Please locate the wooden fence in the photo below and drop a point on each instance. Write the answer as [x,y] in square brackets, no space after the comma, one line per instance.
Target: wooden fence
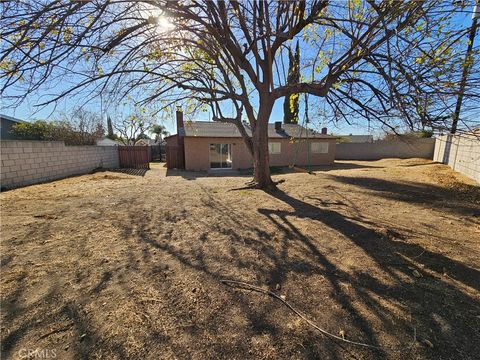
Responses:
[157,152]
[175,157]
[134,157]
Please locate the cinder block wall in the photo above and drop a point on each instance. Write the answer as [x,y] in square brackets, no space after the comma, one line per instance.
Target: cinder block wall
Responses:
[403,149]
[460,152]
[30,162]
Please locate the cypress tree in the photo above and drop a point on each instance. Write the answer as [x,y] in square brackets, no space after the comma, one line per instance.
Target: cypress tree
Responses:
[110,133]
[291,102]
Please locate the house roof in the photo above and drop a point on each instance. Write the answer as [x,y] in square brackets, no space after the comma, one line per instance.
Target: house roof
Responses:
[220,129]
[108,141]
[147,142]
[10,118]
[6,124]
[357,138]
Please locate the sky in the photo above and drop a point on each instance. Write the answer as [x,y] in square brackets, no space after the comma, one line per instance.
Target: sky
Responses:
[28,111]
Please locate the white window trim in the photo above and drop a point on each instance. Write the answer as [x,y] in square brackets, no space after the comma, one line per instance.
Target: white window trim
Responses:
[271,150]
[323,147]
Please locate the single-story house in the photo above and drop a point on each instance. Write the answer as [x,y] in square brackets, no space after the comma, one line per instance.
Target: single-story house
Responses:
[212,145]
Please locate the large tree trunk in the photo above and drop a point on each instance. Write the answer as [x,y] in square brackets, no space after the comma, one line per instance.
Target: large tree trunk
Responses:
[257,146]
[261,163]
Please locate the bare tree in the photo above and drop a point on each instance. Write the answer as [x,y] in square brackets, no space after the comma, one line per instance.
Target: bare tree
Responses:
[87,125]
[132,128]
[372,59]
[467,64]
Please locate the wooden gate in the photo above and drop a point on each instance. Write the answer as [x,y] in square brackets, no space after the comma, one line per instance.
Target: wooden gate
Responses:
[157,152]
[134,157]
[175,157]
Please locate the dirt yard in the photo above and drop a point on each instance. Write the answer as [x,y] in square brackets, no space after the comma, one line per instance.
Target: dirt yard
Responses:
[119,266]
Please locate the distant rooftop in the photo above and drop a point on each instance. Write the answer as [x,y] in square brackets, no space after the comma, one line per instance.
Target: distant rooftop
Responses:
[357,138]
[6,123]
[220,129]
[10,118]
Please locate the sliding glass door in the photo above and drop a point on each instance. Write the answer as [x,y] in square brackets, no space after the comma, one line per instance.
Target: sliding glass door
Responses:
[220,156]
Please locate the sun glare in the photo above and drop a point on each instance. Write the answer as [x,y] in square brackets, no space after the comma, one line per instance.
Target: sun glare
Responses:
[164,23]
[157,17]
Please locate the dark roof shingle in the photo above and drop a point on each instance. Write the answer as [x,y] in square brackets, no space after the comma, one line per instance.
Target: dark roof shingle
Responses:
[219,129]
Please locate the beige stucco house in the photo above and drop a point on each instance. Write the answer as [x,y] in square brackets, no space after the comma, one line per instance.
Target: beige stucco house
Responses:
[209,145]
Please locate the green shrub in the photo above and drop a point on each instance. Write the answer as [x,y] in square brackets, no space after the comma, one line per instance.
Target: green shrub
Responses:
[57,131]
[38,130]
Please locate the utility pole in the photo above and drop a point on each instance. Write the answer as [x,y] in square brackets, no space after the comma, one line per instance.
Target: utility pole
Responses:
[466,67]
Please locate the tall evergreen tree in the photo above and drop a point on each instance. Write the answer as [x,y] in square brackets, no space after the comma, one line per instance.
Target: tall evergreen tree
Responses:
[290,105]
[110,133]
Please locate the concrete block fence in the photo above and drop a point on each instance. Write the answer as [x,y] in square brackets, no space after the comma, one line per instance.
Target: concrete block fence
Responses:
[30,162]
[460,152]
[404,149]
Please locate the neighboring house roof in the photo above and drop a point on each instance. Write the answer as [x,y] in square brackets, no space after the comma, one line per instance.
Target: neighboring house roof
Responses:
[148,142]
[107,142]
[357,138]
[10,118]
[220,129]
[6,123]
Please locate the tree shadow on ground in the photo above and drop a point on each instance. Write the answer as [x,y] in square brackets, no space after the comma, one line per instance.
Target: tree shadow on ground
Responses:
[464,200]
[276,256]
[193,175]
[369,239]
[419,164]
[218,262]
[49,312]
[344,165]
[275,170]
[187,175]
[62,316]
[433,301]
[300,245]
[292,169]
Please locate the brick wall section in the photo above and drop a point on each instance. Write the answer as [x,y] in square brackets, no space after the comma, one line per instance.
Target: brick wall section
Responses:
[30,162]
[403,149]
[460,152]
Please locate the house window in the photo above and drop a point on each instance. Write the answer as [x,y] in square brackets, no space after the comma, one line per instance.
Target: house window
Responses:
[274,148]
[319,147]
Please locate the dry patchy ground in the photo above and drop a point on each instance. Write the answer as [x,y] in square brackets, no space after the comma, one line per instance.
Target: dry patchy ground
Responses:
[117,266]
